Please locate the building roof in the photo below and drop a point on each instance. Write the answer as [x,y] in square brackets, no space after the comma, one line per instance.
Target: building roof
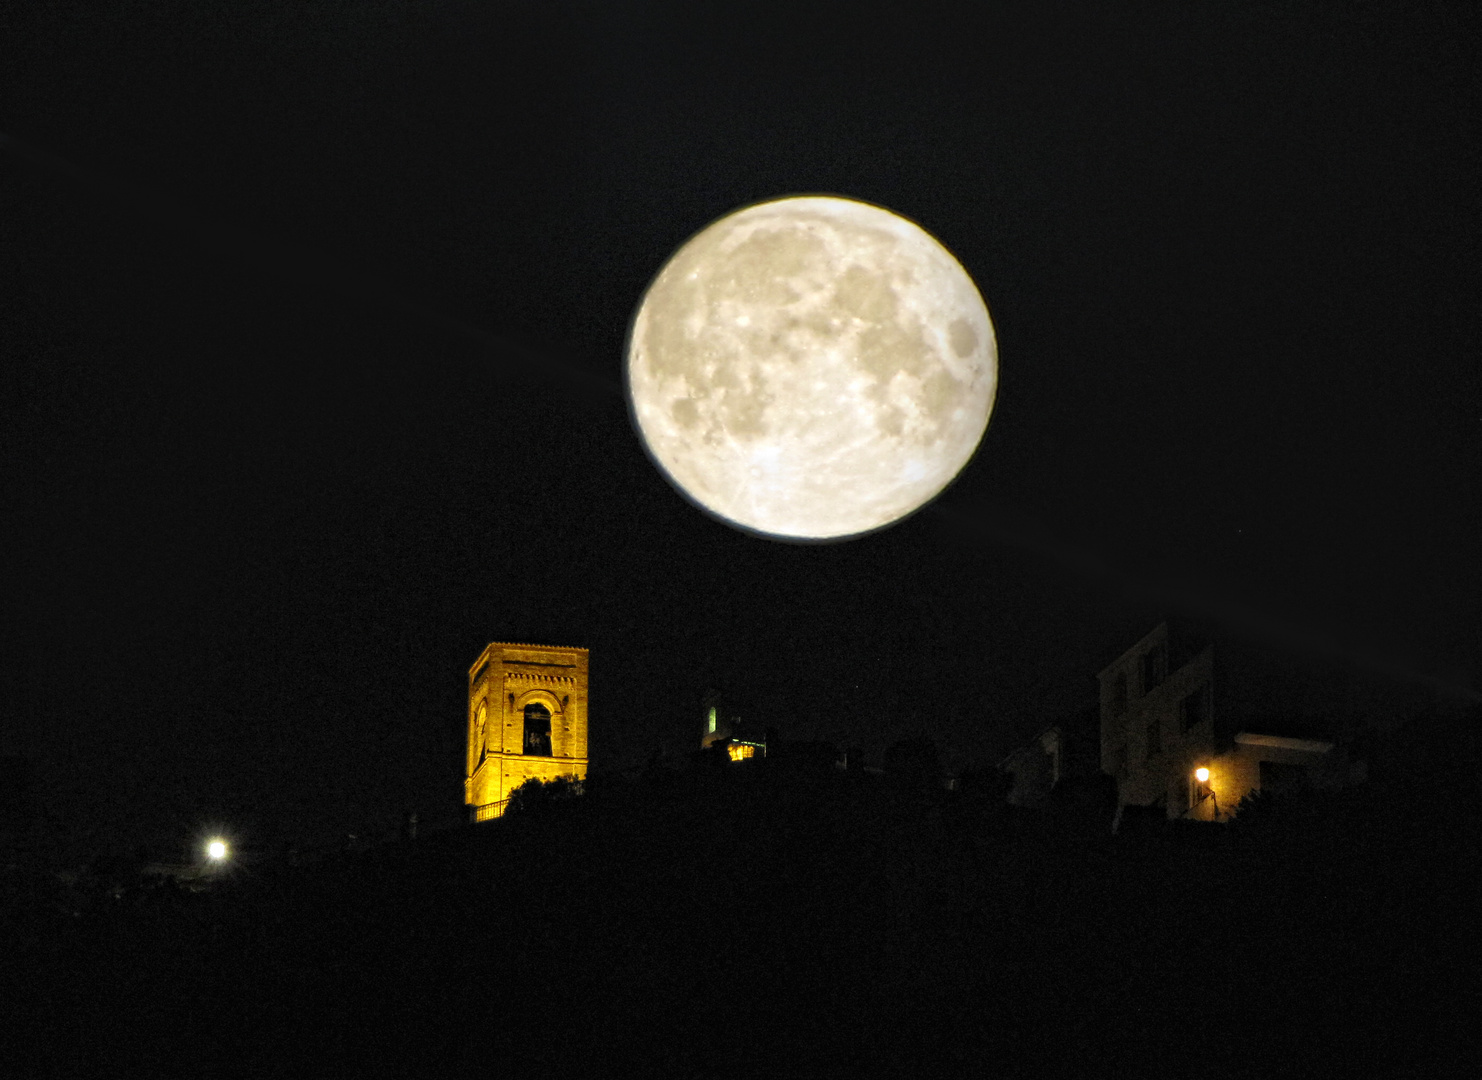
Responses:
[1311,746]
[521,645]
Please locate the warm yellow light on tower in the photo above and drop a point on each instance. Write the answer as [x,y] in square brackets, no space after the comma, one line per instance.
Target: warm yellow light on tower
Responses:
[1201,774]
[216,850]
[812,368]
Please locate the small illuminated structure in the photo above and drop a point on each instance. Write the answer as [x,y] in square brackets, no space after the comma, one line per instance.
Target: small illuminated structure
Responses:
[527,717]
[741,740]
[217,850]
[1201,774]
[740,751]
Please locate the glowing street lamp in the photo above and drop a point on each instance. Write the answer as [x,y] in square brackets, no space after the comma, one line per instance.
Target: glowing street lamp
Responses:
[1204,790]
[216,851]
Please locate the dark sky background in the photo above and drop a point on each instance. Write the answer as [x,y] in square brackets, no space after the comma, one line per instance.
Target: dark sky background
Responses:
[312,321]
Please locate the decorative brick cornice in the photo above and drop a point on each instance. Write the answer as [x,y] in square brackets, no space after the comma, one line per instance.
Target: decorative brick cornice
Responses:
[521,756]
[491,652]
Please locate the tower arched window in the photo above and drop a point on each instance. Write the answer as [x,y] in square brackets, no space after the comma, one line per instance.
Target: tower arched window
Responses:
[537,729]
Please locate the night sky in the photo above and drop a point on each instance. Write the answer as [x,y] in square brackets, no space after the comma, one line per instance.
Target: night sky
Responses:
[311,339]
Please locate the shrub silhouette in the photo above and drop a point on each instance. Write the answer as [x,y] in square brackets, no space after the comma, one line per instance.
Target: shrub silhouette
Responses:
[536,795]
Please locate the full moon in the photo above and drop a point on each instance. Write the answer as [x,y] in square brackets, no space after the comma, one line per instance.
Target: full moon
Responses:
[812,368]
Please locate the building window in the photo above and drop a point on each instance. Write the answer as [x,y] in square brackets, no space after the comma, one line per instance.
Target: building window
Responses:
[479,723]
[710,721]
[1194,709]
[1119,693]
[1152,668]
[1153,743]
[537,730]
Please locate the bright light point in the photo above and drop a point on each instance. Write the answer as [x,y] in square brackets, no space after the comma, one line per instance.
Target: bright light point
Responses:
[1202,775]
[216,850]
[812,368]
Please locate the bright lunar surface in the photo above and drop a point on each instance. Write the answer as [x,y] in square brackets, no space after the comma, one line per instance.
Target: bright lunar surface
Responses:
[812,368]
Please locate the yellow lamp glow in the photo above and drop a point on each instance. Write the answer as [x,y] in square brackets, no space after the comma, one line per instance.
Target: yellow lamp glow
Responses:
[1201,774]
[216,850]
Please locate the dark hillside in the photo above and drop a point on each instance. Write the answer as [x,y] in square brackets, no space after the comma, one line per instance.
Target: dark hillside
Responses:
[748,922]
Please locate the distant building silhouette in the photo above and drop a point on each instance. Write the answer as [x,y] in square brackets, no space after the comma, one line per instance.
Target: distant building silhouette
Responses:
[1192,721]
[1068,750]
[720,727]
[527,717]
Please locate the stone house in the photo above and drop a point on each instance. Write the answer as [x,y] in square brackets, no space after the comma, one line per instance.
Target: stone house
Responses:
[1193,720]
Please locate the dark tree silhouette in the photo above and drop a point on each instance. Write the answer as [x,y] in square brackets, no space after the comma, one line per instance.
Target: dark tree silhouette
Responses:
[536,795]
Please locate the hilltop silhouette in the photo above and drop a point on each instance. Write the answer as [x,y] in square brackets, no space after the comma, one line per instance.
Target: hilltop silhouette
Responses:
[751,921]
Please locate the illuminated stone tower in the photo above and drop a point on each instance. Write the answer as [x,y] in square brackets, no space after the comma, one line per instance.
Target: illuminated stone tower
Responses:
[527,716]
